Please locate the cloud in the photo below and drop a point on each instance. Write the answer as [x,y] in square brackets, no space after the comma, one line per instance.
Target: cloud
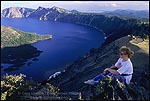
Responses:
[114,4]
[109,4]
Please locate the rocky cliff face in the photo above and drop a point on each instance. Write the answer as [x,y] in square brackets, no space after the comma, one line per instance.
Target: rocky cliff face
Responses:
[48,13]
[39,13]
[16,12]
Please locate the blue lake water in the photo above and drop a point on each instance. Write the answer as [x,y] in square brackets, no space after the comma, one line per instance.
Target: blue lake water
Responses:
[69,42]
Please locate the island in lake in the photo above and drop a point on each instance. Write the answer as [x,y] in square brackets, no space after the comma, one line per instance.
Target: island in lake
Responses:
[11,37]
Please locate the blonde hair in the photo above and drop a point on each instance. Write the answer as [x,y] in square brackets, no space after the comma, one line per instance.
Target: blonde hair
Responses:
[127,51]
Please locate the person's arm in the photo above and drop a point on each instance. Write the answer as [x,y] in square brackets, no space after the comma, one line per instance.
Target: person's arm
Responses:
[111,70]
[113,67]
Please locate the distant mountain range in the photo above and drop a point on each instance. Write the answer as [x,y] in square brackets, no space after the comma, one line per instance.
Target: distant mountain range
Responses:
[19,12]
[129,13]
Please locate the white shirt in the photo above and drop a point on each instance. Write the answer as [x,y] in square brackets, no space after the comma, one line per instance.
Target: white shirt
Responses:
[125,67]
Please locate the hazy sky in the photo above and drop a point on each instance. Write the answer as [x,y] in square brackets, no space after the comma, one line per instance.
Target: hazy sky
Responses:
[84,6]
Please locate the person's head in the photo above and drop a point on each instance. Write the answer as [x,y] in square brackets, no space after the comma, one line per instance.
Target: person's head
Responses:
[126,52]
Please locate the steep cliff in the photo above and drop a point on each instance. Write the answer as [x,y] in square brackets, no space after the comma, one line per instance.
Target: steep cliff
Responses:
[16,12]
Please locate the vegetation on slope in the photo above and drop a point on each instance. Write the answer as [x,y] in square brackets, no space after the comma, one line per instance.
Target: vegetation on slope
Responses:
[13,37]
[114,89]
[15,87]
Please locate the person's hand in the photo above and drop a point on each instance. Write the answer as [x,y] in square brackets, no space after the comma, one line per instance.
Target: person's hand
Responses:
[105,70]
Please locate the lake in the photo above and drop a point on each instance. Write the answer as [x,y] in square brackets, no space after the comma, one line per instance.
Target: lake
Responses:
[43,58]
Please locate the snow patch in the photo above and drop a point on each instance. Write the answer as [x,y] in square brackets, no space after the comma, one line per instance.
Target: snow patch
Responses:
[54,75]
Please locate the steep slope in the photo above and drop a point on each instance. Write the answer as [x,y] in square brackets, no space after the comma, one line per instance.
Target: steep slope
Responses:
[60,10]
[94,62]
[16,12]
[39,12]
[14,37]
[47,13]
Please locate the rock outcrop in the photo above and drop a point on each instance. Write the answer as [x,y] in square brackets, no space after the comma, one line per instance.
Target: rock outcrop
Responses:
[16,12]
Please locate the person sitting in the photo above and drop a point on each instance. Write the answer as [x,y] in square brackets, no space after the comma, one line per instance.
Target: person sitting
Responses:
[122,68]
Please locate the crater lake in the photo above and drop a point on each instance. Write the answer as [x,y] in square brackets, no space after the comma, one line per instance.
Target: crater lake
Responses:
[43,58]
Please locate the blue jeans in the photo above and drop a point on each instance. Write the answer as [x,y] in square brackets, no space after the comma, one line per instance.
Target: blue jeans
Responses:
[100,76]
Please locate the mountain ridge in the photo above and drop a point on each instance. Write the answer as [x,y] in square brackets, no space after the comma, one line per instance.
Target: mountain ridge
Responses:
[129,13]
[117,12]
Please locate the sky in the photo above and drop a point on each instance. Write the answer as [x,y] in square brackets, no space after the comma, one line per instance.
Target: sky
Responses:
[82,6]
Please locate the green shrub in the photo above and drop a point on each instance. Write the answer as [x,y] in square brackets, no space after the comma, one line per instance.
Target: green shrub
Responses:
[10,83]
